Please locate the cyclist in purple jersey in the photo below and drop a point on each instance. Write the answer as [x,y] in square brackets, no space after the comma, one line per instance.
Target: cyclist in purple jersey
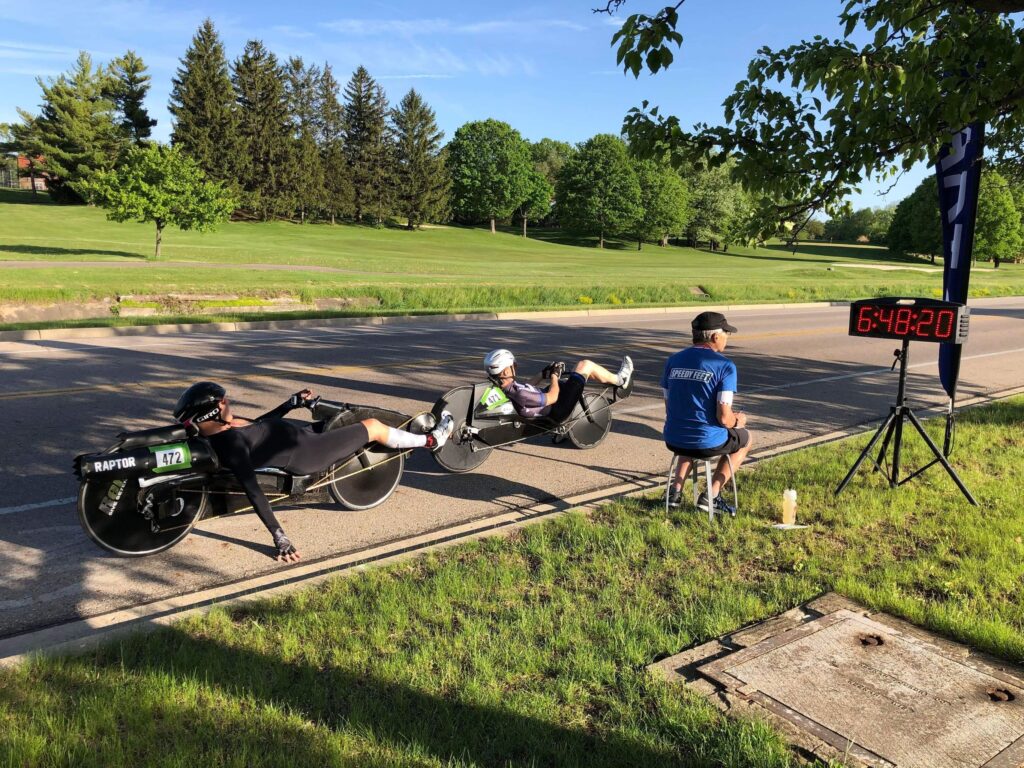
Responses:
[557,400]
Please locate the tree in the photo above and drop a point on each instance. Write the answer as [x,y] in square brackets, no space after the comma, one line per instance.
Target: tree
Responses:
[203,107]
[664,201]
[549,156]
[997,229]
[489,163]
[850,226]
[337,183]
[812,120]
[421,177]
[74,132]
[715,201]
[127,89]
[307,176]
[537,203]
[598,192]
[266,167]
[368,149]
[915,226]
[162,185]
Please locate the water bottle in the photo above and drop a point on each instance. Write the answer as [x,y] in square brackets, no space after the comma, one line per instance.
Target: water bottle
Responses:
[789,507]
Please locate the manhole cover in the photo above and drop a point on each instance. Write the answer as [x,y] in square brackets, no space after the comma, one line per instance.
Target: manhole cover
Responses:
[875,690]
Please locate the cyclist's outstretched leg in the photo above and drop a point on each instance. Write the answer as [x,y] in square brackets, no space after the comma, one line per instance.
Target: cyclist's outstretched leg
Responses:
[379,432]
[589,369]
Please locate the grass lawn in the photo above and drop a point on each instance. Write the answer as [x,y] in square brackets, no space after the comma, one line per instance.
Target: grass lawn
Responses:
[439,268]
[531,649]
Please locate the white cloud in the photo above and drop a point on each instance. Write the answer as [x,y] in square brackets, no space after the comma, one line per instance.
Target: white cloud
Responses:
[436,26]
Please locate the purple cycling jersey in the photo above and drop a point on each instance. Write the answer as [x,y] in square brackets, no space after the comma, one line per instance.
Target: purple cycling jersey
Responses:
[528,400]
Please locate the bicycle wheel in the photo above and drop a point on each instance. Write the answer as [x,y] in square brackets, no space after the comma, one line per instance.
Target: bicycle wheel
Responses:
[585,433]
[462,452]
[368,478]
[131,521]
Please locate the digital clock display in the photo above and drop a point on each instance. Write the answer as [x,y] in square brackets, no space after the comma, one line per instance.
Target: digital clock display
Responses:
[910,319]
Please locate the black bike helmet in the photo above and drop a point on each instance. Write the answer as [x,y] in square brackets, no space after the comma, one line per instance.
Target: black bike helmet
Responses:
[199,403]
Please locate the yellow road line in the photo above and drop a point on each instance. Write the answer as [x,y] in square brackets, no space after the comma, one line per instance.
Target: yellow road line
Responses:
[337,370]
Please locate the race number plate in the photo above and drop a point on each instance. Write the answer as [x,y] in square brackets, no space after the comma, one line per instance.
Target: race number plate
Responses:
[170,458]
[493,398]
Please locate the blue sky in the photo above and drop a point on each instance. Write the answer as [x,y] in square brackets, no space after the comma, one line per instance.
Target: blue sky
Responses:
[546,68]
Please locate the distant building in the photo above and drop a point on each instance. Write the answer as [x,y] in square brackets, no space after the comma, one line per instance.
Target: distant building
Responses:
[31,176]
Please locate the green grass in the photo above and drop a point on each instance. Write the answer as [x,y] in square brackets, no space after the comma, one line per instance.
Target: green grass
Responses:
[440,268]
[532,649]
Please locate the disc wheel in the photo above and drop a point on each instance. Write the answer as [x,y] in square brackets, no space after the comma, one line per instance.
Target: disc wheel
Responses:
[370,477]
[585,433]
[112,513]
[458,454]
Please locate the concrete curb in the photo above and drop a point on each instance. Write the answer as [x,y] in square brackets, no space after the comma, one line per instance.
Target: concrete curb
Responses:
[83,634]
[46,334]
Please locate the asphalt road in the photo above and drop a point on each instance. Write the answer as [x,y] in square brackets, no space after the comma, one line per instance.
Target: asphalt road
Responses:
[800,376]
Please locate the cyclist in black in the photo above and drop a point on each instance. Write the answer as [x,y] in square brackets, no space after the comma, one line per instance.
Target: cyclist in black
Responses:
[300,447]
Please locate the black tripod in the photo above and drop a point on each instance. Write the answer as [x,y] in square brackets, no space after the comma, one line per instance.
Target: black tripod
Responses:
[893,429]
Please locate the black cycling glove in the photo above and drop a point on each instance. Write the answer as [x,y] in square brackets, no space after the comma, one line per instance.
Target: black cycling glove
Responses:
[283,544]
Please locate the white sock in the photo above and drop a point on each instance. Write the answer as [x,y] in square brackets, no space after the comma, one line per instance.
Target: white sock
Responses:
[399,438]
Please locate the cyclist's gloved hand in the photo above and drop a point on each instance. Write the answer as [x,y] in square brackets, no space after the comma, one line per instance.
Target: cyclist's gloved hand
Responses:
[552,369]
[300,398]
[286,551]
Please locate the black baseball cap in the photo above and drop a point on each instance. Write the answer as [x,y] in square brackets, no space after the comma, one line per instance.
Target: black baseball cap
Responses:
[712,321]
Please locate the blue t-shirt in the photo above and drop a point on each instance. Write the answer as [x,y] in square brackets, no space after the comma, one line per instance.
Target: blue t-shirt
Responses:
[693,379]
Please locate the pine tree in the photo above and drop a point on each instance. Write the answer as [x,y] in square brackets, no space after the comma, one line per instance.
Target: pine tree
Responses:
[337,183]
[265,165]
[307,177]
[368,148]
[75,133]
[421,178]
[203,106]
[127,89]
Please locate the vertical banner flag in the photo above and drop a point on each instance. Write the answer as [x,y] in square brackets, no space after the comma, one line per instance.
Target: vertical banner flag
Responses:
[958,171]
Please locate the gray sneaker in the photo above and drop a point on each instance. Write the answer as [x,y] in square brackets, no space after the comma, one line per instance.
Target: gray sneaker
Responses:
[625,371]
[675,498]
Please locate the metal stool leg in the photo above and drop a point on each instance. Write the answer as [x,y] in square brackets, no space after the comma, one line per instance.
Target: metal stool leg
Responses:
[732,478]
[671,477]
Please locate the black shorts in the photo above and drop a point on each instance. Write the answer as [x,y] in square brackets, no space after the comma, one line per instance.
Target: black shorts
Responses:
[738,438]
[569,392]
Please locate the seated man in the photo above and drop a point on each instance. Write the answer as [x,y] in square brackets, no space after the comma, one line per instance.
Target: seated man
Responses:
[699,384]
[557,400]
[303,448]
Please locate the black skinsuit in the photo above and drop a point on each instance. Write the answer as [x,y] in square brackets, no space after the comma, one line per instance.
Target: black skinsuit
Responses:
[300,447]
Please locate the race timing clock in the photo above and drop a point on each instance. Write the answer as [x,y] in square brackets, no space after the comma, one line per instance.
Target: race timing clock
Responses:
[910,320]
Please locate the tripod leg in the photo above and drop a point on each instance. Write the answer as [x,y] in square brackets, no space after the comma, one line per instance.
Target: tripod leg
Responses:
[864,454]
[886,441]
[897,444]
[941,459]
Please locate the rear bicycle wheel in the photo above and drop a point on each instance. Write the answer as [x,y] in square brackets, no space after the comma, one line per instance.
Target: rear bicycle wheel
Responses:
[372,475]
[462,452]
[131,521]
[585,433]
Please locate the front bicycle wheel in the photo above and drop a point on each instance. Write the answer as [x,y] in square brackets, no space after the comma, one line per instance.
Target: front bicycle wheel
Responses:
[463,452]
[131,521]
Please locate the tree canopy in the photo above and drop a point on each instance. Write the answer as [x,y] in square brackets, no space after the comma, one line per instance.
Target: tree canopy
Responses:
[598,192]
[490,168]
[74,132]
[812,120]
[161,185]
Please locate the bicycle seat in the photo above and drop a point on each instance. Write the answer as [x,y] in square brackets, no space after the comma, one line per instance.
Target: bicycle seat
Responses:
[156,436]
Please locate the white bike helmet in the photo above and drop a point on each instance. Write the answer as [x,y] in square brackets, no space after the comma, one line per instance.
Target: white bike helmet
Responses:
[497,360]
